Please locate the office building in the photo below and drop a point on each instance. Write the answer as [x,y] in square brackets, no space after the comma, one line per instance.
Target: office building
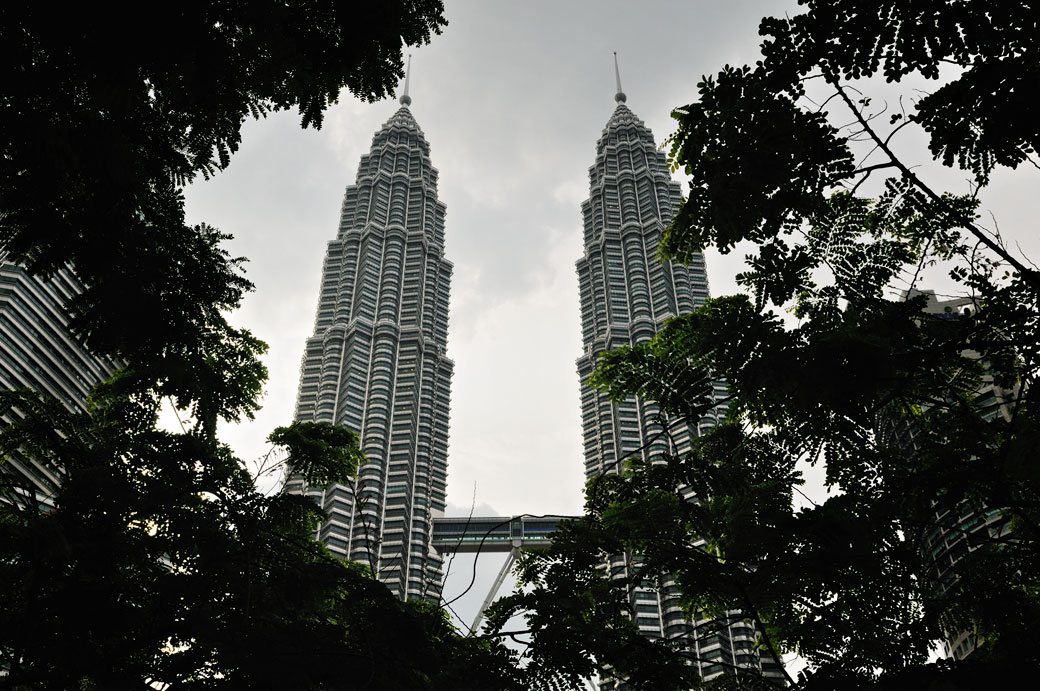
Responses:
[955,532]
[376,363]
[38,351]
[627,294]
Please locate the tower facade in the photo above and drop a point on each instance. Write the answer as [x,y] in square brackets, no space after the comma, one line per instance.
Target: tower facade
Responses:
[955,532]
[377,364]
[38,351]
[627,294]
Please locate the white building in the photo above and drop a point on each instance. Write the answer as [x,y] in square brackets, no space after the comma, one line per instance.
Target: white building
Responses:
[376,363]
[38,351]
[627,294]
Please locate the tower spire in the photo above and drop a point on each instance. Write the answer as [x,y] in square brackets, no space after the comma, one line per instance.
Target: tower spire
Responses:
[405,99]
[619,97]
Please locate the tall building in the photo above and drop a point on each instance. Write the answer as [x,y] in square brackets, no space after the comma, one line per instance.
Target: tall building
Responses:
[627,294]
[377,364]
[38,351]
[958,531]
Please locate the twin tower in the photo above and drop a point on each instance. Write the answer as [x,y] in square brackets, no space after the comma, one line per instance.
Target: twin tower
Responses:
[377,363]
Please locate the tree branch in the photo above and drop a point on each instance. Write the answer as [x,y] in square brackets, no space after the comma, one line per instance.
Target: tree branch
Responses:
[1027,274]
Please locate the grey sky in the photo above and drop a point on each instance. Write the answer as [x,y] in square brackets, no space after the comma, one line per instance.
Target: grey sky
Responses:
[512,98]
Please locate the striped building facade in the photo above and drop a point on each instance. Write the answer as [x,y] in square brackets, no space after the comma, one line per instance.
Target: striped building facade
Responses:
[377,364]
[627,294]
[39,352]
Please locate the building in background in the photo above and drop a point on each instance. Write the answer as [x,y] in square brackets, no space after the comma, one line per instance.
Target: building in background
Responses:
[376,363]
[39,352]
[954,533]
[627,294]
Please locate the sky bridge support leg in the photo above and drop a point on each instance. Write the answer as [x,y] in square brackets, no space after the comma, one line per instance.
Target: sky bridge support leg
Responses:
[493,593]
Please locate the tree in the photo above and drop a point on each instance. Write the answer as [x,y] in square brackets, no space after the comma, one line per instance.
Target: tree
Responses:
[102,126]
[847,582]
[161,565]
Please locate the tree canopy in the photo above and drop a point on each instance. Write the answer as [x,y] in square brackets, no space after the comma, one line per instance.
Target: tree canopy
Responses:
[106,115]
[160,565]
[857,381]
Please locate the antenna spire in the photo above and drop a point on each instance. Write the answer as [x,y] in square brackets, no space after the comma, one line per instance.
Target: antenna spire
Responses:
[619,97]
[405,99]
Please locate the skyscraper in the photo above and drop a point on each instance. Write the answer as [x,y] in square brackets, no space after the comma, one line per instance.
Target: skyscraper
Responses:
[627,294]
[958,531]
[38,351]
[377,364]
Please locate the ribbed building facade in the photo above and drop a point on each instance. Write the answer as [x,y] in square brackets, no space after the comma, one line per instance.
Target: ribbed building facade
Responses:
[956,532]
[377,364]
[627,294]
[39,352]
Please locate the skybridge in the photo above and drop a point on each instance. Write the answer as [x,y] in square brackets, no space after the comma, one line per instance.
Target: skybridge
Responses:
[472,535]
[493,533]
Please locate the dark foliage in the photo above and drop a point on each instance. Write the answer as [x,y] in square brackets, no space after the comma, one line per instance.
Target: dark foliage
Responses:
[319,453]
[922,424]
[105,114]
[983,118]
[159,564]
[162,563]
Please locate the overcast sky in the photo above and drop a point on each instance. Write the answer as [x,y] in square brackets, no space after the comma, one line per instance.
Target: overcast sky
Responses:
[512,98]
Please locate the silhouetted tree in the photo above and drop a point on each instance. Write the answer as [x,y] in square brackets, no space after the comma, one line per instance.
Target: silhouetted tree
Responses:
[160,565]
[846,583]
[106,113]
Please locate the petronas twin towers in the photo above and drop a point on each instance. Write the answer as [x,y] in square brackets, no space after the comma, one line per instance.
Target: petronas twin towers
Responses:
[377,365]
[376,362]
